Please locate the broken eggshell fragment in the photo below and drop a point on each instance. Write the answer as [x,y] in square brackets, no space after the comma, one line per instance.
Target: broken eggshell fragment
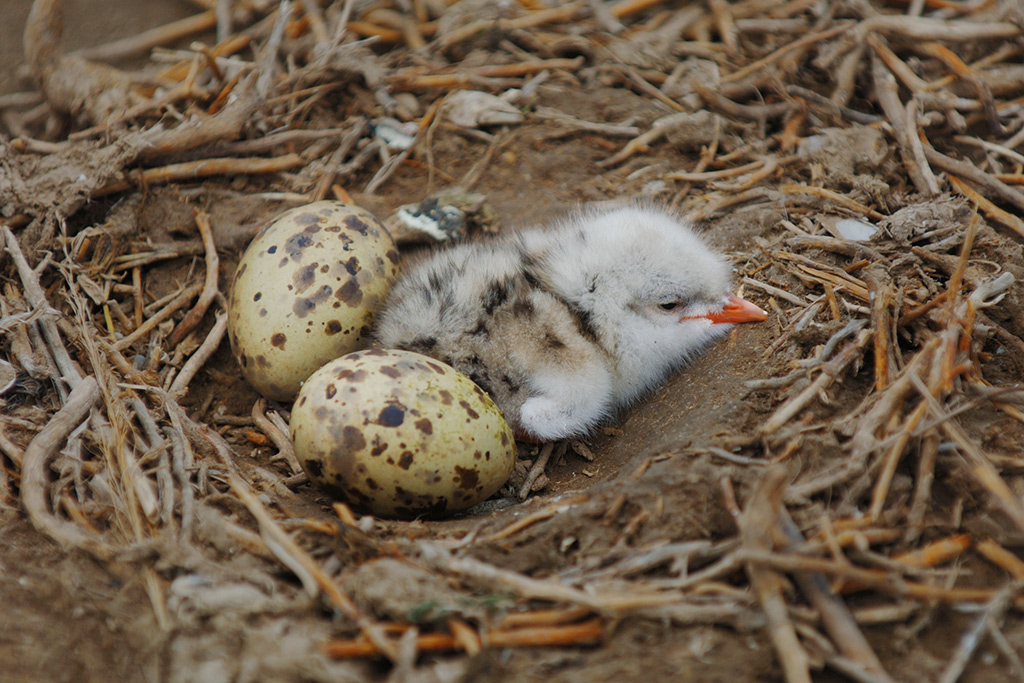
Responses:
[442,217]
[399,434]
[305,292]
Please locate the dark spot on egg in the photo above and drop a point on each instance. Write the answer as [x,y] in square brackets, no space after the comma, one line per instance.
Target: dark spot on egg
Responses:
[466,478]
[296,244]
[257,296]
[303,277]
[303,306]
[446,397]
[375,352]
[391,371]
[405,460]
[332,328]
[263,313]
[272,249]
[241,269]
[330,391]
[350,292]
[351,375]
[391,416]
[371,484]
[352,439]
[262,361]
[311,229]
[378,447]
[352,266]
[320,413]
[354,223]
[424,425]
[392,256]
[278,339]
[439,369]
[307,218]
[473,415]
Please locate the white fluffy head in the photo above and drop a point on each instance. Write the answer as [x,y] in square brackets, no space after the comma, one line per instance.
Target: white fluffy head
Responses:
[644,277]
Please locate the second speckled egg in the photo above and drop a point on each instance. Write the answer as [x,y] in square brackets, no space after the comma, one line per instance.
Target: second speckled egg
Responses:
[400,434]
[306,291]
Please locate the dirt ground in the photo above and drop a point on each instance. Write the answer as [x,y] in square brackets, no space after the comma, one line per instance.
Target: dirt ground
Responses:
[223,606]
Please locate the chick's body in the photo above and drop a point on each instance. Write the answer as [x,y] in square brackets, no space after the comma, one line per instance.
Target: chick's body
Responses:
[563,326]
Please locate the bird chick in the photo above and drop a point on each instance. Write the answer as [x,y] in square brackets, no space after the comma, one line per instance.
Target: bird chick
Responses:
[563,327]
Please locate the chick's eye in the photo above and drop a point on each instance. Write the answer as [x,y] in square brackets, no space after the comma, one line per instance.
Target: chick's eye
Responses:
[670,306]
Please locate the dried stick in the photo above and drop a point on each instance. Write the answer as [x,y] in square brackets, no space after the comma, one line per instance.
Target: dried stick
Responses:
[536,470]
[203,168]
[529,20]
[830,372]
[198,359]
[881,295]
[991,210]
[835,616]
[163,314]
[887,95]
[968,171]
[590,632]
[927,456]
[224,126]
[970,75]
[986,474]
[881,581]
[998,555]
[757,525]
[797,44]
[36,297]
[642,142]
[287,551]
[411,78]
[83,397]
[842,200]
[147,40]
[971,638]
[278,433]
[192,318]
[922,28]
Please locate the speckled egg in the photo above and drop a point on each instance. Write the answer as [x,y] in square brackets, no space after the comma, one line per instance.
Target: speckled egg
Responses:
[398,434]
[305,292]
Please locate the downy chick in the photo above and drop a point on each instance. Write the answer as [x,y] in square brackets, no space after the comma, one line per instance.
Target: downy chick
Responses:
[563,327]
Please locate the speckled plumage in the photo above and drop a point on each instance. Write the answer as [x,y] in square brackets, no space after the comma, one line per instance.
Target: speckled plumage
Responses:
[564,326]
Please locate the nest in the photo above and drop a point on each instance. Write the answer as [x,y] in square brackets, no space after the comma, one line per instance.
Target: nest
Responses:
[860,161]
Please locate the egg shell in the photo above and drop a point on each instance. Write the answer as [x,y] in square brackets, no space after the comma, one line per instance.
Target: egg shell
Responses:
[399,434]
[305,292]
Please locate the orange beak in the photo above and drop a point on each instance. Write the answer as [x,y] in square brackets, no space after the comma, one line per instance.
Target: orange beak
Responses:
[737,310]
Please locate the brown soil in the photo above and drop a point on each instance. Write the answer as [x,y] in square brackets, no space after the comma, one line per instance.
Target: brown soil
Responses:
[234,613]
